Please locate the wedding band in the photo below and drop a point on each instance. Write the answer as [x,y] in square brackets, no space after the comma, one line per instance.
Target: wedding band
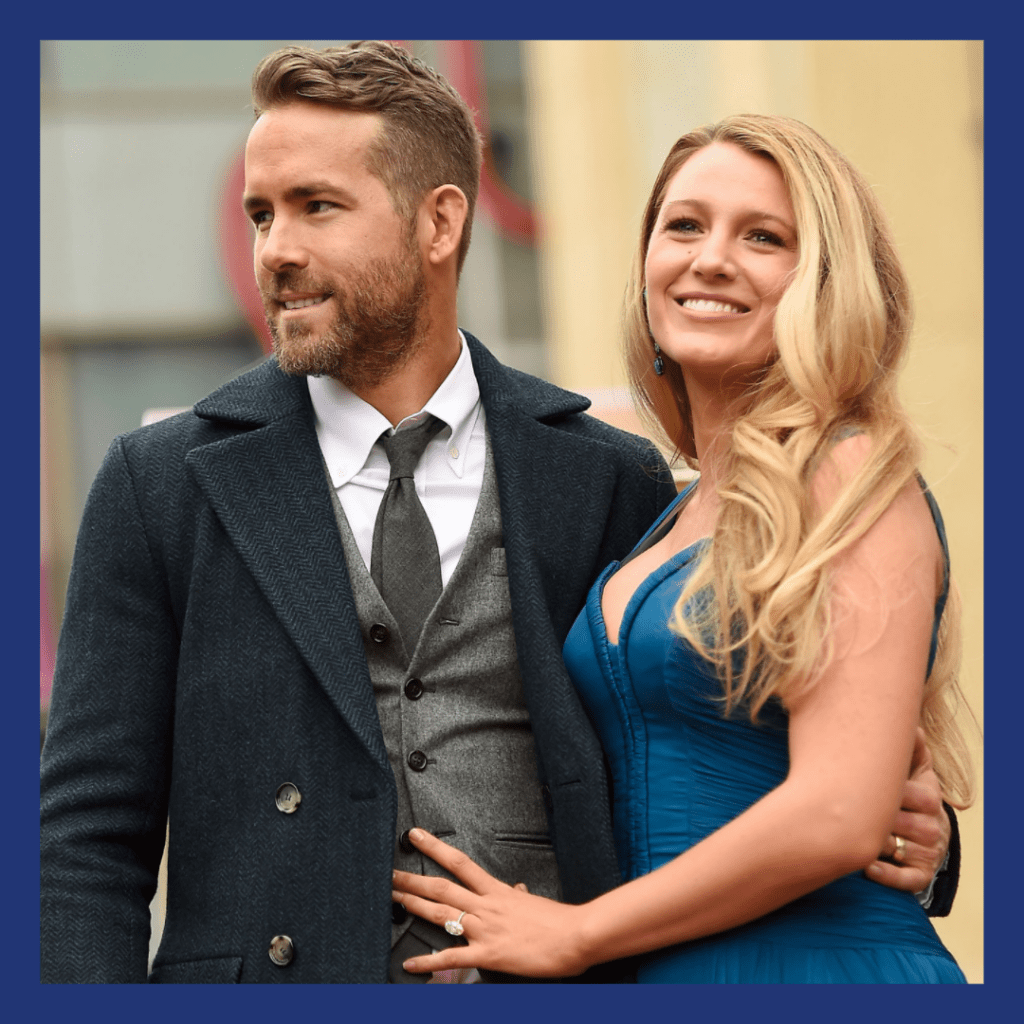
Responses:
[901,848]
[455,927]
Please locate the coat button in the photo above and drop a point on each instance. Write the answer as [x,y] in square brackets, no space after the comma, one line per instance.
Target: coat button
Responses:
[414,689]
[287,798]
[405,843]
[282,950]
[398,913]
[417,760]
[379,633]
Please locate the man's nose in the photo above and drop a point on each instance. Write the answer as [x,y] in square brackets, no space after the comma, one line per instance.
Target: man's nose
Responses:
[282,247]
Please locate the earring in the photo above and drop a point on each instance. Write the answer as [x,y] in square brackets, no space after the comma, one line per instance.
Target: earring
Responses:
[659,363]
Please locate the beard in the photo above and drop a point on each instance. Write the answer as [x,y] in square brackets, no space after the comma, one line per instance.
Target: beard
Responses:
[381,321]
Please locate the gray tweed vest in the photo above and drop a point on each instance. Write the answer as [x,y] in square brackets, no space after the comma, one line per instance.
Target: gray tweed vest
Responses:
[454,717]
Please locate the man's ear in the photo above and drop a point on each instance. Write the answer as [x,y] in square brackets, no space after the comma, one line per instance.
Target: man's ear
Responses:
[442,217]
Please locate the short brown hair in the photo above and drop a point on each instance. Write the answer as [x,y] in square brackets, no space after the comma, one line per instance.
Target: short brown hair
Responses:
[428,138]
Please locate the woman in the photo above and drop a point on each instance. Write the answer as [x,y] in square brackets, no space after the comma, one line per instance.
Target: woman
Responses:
[757,669]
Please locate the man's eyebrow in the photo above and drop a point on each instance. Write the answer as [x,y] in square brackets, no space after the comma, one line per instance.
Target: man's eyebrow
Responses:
[312,188]
[251,203]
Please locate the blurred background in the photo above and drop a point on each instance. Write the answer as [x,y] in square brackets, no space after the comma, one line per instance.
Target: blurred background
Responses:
[147,300]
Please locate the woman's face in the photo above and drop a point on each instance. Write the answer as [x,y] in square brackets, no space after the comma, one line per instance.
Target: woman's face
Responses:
[719,259]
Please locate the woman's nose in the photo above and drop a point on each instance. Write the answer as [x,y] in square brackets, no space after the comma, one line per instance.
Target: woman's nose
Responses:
[714,258]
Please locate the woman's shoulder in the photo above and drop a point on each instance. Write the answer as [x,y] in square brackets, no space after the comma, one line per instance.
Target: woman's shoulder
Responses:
[844,458]
[905,528]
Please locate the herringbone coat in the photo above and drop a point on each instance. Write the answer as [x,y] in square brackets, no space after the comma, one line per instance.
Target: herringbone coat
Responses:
[211,651]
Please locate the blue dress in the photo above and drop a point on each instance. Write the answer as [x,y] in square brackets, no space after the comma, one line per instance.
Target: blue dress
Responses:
[680,770]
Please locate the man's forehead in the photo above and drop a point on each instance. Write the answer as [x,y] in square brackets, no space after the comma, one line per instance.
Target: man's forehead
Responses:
[299,150]
[311,140]
[304,118]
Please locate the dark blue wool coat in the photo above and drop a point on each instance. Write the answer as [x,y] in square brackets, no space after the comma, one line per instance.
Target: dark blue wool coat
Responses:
[211,651]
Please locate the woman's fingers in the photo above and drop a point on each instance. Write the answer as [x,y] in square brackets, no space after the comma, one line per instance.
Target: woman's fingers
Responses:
[451,959]
[436,913]
[454,861]
[432,889]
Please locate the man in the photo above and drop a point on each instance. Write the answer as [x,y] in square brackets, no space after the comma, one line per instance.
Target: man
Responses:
[328,603]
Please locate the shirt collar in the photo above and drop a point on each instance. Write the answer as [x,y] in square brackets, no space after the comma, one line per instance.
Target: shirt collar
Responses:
[348,427]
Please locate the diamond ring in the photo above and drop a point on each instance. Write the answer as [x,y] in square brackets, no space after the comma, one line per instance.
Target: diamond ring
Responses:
[455,927]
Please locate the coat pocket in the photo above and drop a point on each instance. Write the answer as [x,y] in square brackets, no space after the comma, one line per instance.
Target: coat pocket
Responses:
[222,970]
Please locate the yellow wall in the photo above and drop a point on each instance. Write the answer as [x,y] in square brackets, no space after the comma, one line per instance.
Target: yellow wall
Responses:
[908,114]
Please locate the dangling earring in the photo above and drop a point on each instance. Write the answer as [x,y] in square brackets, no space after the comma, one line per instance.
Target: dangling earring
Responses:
[659,363]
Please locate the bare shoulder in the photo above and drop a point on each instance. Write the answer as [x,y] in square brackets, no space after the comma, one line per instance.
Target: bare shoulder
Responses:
[839,466]
[904,534]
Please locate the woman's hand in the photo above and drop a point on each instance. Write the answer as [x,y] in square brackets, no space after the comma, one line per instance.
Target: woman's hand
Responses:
[506,928]
[923,826]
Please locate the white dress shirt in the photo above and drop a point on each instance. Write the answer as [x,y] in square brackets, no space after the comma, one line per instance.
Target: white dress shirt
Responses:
[449,475]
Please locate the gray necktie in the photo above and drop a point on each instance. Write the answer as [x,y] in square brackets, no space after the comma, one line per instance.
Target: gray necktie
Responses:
[404,563]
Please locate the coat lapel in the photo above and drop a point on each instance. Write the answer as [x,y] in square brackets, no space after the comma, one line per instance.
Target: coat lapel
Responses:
[268,489]
[556,487]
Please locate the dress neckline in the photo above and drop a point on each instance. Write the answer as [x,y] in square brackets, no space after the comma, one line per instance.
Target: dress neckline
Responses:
[655,576]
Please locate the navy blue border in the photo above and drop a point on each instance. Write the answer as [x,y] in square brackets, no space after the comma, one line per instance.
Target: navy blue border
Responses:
[529,19]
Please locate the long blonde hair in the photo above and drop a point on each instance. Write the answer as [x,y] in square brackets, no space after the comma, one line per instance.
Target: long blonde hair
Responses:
[841,332]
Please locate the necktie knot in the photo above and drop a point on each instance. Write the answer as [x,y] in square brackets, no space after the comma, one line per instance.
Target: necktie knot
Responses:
[405,447]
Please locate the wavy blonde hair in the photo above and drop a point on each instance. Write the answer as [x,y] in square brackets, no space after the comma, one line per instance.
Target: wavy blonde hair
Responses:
[841,332]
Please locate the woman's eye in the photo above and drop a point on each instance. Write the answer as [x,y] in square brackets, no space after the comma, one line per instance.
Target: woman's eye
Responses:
[683,224]
[763,237]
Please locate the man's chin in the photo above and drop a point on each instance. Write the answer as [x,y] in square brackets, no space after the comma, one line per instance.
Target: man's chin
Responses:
[356,374]
[297,353]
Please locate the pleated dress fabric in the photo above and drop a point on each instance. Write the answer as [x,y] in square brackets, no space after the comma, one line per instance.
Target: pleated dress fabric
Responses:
[681,770]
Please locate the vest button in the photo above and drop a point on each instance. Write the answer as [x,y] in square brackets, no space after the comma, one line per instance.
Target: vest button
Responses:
[405,843]
[398,913]
[379,633]
[414,689]
[282,950]
[287,798]
[417,760]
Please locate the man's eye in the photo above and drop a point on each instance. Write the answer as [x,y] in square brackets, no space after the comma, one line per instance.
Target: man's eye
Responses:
[261,218]
[320,206]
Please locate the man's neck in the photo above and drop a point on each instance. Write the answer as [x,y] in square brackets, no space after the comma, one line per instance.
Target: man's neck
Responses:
[411,386]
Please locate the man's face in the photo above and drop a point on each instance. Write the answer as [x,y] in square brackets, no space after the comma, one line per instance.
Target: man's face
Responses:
[339,271]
